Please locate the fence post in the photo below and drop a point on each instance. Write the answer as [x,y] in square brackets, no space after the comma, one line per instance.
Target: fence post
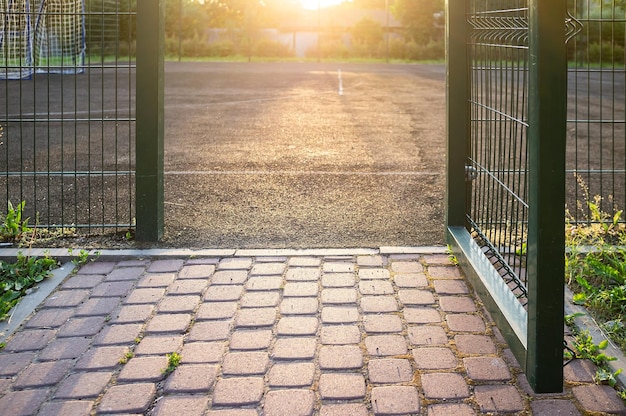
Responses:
[546,170]
[149,126]
[457,108]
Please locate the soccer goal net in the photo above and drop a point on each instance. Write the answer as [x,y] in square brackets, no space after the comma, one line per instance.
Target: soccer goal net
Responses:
[46,36]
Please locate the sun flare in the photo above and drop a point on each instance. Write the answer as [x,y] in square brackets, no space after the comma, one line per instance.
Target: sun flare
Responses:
[316,4]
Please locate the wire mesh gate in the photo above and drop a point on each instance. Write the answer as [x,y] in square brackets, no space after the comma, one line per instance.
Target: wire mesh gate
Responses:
[67,112]
[506,169]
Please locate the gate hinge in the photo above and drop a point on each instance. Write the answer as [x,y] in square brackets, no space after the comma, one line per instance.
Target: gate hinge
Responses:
[471,173]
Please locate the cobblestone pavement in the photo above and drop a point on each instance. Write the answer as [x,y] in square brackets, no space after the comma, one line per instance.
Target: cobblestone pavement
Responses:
[328,334]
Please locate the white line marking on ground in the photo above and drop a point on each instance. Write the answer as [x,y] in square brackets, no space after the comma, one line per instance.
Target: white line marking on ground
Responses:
[299,172]
[340,82]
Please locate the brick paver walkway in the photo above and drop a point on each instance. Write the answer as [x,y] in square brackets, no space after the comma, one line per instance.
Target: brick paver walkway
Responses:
[274,335]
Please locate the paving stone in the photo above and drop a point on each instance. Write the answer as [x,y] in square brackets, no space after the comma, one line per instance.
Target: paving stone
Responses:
[156,280]
[29,340]
[83,385]
[82,281]
[302,274]
[233,412]
[127,398]
[597,398]
[304,261]
[291,375]
[169,323]
[410,297]
[97,267]
[245,363]
[196,271]
[370,261]
[210,331]
[301,289]
[66,407]
[259,299]
[410,280]
[340,314]
[554,407]
[112,289]
[389,370]
[498,398]
[433,358]
[191,378]
[22,403]
[474,344]
[486,369]
[216,310]
[159,345]
[444,386]
[340,357]
[125,274]
[457,304]
[145,295]
[340,334]
[181,405]
[266,269]
[202,352]
[338,279]
[373,304]
[580,371]
[133,263]
[297,325]
[421,315]
[141,369]
[299,306]
[235,263]
[223,293]
[49,318]
[337,386]
[255,317]
[229,277]
[450,287]
[456,409]
[338,267]
[118,334]
[250,339]
[101,358]
[385,345]
[375,287]
[427,335]
[444,272]
[166,265]
[406,267]
[395,400]
[65,348]
[13,363]
[368,274]
[349,409]
[187,287]
[66,298]
[238,391]
[465,323]
[383,323]
[264,283]
[289,403]
[98,307]
[179,303]
[133,314]
[294,348]
[42,374]
[81,327]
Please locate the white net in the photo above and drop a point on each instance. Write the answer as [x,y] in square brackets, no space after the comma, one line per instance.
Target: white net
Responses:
[48,37]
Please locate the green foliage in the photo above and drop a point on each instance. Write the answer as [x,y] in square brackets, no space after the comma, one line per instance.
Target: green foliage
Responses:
[173,360]
[82,257]
[126,357]
[17,279]
[368,32]
[13,226]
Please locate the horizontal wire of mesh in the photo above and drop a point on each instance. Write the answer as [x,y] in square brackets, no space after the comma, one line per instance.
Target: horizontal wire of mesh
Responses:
[67,145]
[497,165]
[596,134]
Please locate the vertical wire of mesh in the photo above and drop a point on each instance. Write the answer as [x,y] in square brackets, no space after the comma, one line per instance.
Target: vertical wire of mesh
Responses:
[498,210]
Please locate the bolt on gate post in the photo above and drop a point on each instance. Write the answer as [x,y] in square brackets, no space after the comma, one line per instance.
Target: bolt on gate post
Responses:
[150,122]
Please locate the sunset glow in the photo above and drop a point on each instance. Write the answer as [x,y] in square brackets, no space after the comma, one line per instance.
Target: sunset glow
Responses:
[315,4]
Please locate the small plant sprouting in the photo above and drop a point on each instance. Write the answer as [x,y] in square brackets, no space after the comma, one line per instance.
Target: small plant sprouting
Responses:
[126,357]
[83,257]
[173,360]
[12,226]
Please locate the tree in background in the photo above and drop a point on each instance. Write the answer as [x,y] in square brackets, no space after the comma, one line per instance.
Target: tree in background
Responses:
[419,18]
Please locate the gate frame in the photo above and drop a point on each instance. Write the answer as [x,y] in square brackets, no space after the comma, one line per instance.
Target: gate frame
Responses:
[535,336]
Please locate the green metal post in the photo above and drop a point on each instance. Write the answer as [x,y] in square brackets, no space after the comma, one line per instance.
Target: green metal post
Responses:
[457,108]
[149,125]
[546,236]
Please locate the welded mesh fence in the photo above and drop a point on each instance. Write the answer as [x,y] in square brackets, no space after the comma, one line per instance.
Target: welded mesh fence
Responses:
[67,145]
